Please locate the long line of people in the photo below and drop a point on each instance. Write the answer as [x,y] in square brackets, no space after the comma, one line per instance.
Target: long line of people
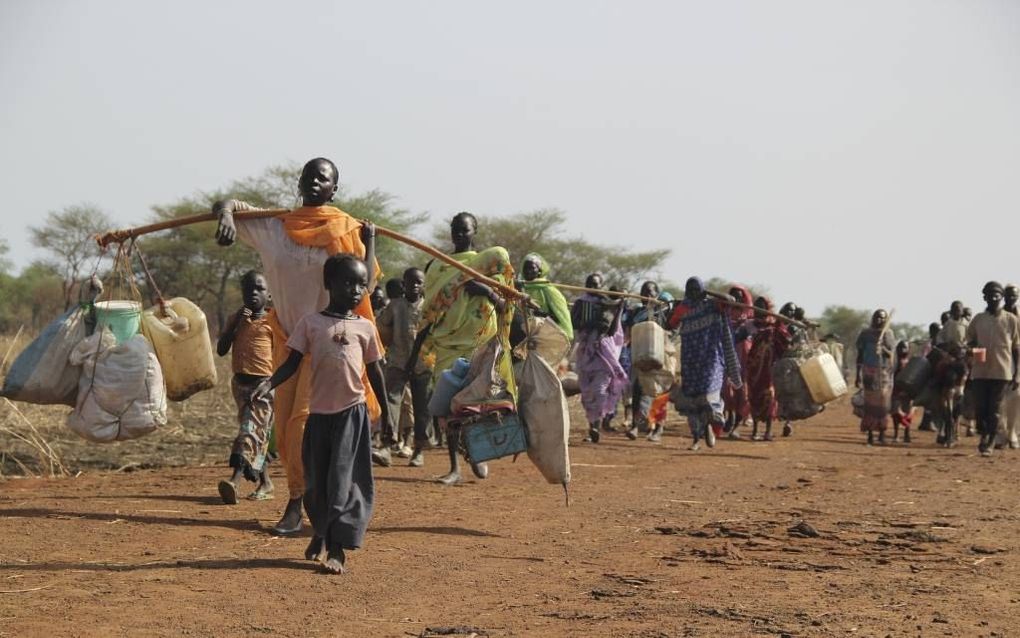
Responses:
[719,362]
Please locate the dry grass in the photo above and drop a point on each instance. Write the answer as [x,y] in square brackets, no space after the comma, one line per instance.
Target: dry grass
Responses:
[35,442]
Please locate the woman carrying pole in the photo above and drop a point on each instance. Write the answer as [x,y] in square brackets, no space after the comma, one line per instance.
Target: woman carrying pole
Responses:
[293,248]
[461,314]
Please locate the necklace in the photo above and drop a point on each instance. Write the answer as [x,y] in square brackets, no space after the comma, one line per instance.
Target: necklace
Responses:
[339,338]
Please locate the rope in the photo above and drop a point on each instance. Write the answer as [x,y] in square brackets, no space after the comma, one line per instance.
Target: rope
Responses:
[148,276]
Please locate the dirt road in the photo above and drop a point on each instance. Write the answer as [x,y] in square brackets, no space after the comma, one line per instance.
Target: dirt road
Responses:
[657,541]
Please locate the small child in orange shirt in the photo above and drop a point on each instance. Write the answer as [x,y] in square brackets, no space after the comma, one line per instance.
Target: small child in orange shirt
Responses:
[249,334]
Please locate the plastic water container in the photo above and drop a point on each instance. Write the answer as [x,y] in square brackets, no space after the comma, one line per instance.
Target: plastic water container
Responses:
[180,337]
[121,317]
[914,376]
[648,346]
[449,384]
[824,379]
[792,393]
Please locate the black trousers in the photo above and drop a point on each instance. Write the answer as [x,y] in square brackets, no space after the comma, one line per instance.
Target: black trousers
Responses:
[339,490]
[988,394]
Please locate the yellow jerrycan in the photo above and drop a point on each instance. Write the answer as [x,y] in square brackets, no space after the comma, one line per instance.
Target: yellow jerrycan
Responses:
[179,334]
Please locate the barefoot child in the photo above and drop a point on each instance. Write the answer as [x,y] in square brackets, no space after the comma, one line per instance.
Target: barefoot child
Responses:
[249,334]
[336,448]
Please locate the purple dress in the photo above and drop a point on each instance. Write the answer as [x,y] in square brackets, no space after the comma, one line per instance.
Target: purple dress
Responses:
[599,373]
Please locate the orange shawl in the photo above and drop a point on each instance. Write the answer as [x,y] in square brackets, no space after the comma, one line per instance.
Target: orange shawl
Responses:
[330,228]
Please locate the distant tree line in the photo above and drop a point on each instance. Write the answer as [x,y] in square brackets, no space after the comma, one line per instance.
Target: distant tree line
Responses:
[187,262]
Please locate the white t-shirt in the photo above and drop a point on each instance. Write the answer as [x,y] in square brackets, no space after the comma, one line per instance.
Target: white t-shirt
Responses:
[293,271]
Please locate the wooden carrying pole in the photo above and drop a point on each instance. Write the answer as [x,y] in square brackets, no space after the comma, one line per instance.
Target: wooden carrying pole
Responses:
[726,301]
[608,293]
[120,236]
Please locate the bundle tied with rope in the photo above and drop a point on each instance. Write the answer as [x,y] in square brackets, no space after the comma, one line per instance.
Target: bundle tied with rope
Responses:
[121,392]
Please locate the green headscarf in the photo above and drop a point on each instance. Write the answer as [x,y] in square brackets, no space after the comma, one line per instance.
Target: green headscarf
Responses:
[547,296]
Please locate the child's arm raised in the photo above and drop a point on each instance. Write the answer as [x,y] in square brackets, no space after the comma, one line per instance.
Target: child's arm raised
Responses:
[284,372]
[230,331]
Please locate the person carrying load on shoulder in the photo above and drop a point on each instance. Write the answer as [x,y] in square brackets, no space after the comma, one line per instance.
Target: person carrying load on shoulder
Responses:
[769,343]
[599,339]
[460,315]
[550,301]
[738,408]
[293,248]
[641,401]
[707,357]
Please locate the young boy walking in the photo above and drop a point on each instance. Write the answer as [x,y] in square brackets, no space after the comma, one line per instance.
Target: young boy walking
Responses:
[398,327]
[337,446]
[249,335]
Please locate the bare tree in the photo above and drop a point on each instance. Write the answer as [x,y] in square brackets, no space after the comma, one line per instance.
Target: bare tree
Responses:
[69,236]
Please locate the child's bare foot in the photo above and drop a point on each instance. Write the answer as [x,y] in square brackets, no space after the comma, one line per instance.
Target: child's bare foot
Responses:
[335,561]
[290,523]
[452,478]
[314,549]
[264,491]
[228,492]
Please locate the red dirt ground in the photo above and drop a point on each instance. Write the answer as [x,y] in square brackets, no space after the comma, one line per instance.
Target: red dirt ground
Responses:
[657,541]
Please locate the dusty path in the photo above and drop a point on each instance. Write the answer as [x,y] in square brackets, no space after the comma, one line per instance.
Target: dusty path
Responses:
[657,541]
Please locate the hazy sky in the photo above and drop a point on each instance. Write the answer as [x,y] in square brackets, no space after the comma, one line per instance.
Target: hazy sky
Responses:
[863,153]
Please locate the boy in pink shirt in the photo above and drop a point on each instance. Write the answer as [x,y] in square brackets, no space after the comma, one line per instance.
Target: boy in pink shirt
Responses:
[337,444]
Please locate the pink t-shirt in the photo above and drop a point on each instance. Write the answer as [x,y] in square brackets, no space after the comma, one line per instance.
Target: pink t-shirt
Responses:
[340,349]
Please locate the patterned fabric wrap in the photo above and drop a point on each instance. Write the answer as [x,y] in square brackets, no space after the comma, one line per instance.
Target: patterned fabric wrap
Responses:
[707,351]
[877,385]
[768,344]
[462,323]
